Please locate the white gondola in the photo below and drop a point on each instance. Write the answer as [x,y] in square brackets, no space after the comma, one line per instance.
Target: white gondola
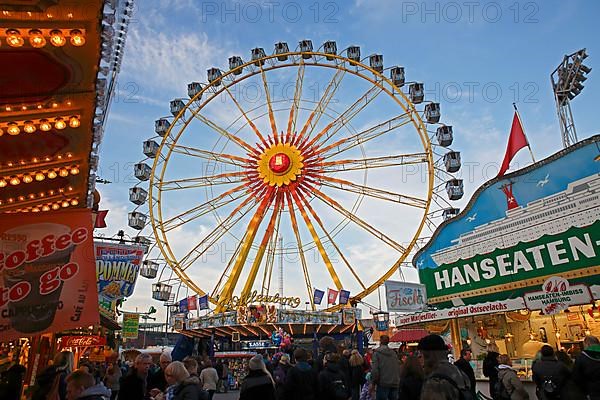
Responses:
[454,188]
[376,62]
[444,135]
[330,47]
[450,212]
[137,195]
[452,161]
[161,126]
[142,171]
[137,220]
[214,76]
[144,242]
[306,46]
[416,93]
[176,106]
[161,291]
[193,89]
[235,63]
[257,55]
[397,76]
[353,53]
[432,113]
[150,148]
[280,49]
[149,269]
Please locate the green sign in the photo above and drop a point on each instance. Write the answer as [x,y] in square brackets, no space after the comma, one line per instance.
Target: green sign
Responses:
[131,323]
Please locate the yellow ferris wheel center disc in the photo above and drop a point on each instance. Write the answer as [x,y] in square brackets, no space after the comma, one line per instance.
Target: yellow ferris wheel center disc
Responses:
[280,164]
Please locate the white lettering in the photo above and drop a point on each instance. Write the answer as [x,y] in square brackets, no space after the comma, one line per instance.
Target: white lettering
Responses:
[503,264]
[521,262]
[578,246]
[443,279]
[537,255]
[487,266]
[555,253]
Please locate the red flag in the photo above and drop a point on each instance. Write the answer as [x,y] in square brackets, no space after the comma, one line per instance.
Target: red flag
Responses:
[100,222]
[516,141]
[331,296]
[192,303]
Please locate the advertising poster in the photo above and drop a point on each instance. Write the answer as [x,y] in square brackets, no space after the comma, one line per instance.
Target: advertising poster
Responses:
[518,231]
[131,324]
[47,273]
[405,296]
[117,268]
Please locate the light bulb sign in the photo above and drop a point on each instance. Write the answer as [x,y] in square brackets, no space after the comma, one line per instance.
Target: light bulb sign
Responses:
[557,295]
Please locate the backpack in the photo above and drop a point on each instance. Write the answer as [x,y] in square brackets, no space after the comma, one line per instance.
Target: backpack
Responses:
[464,393]
[339,391]
[500,391]
[550,389]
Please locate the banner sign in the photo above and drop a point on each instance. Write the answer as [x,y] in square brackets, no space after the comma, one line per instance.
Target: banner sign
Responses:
[404,296]
[82,341]
[463,311]
[318,296]
[344,296]
[257,344]
[557,295]
[47,279]
[117,268]
[203,302]
[519,230]
[131,324]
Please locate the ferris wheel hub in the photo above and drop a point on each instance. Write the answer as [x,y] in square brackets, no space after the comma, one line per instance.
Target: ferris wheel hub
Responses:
[280,164]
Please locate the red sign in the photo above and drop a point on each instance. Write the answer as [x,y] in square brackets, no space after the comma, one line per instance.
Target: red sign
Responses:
[82,341]
[47,273]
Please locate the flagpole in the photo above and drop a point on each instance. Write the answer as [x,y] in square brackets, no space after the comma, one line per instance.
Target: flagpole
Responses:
[523,129]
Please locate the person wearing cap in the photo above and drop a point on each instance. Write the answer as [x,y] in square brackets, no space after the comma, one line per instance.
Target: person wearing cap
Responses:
[258,384]
[385,370]
[280,373]
[443,380]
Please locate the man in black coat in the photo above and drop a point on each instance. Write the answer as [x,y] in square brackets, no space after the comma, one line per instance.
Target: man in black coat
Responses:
[586,371]
[549,374]
[332,381]
[157,380]
[464,365]
[134,386]
[490,367]
[301,380]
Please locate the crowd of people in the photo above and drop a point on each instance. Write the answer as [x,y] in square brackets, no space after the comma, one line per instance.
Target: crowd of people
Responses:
[381,374]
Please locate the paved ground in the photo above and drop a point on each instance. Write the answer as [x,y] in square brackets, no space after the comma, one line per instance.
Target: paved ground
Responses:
[231,395]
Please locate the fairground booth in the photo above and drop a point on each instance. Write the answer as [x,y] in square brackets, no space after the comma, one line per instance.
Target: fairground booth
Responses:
[519,266]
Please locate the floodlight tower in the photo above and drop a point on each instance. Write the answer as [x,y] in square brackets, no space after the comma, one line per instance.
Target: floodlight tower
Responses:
[567,81]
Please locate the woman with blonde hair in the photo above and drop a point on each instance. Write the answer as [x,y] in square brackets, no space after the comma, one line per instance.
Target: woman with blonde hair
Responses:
[357,374]
[259,383]
[182,386]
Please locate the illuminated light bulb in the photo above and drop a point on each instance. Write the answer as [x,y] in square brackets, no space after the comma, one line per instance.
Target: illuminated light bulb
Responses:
[69,155]
[77,38]
[45,207]
[11,200]
[36,38]
[13,129]
[13,38]
[39,176]
[1,132]
[45,125]
[557,335]
[3,183]
[61,190]
[54,105]
[74,122]
[57,38]
[31,196]
[65,204]
[70,188]
[35,159]
[74,202]
[35,209]
[21,198]
[587,332]
[63,172]
[59,123]
[27,178]
[52,174]
[74,170]
[8,108]
[51,192]
[39,106]
[42,194]
[14,181]
[23,108]
[55,206]
[29,127]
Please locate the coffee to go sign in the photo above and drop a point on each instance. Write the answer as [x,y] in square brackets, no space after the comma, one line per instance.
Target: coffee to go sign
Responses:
[557,295]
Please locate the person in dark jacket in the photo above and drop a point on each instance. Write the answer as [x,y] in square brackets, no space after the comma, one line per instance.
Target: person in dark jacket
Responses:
[134,385]
[182,385]
[549,375]
[280,374]
[411,379]
[258,384]
[301,382]
[11,382]
[63,365]
[326,346]
[332,380]
[490,368]
[586,371]
[385,370]
[464,365]
[357,374]
[345,364]
[157,380]
[81,385]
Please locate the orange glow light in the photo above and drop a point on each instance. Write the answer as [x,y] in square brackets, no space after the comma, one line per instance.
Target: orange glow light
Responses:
[74,121]
[52,174]
[29,127]
[60,124]
[27,178]
[13,38]
[45,125]
[57,38]
[13,129]
[77,38]
[14,181]
[36,39]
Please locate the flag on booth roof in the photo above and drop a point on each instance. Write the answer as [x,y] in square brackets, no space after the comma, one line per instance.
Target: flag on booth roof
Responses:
[192,303]
[331,296]
[318,296]
[203,302]
[183,305]
[516,141]
[100,222]
[344,296]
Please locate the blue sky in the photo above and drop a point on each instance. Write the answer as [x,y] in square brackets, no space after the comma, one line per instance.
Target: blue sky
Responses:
[476,59]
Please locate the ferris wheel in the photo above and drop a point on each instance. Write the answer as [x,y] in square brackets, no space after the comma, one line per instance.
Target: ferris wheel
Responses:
[300,169]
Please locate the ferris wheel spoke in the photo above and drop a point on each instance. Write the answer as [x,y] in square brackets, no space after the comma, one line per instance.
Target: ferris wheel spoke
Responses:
[348,186]
[248,239]
[335,246]
[223,132]
[294,223]
[292,119]
[362,137]
[213,180]
[268,270]
[211,156]
[357,220]
[248,120]
[321,107]
[370,162]
[269,105]
[317,240]
[204,208]
[225,273]
[263,246]
[344,118]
